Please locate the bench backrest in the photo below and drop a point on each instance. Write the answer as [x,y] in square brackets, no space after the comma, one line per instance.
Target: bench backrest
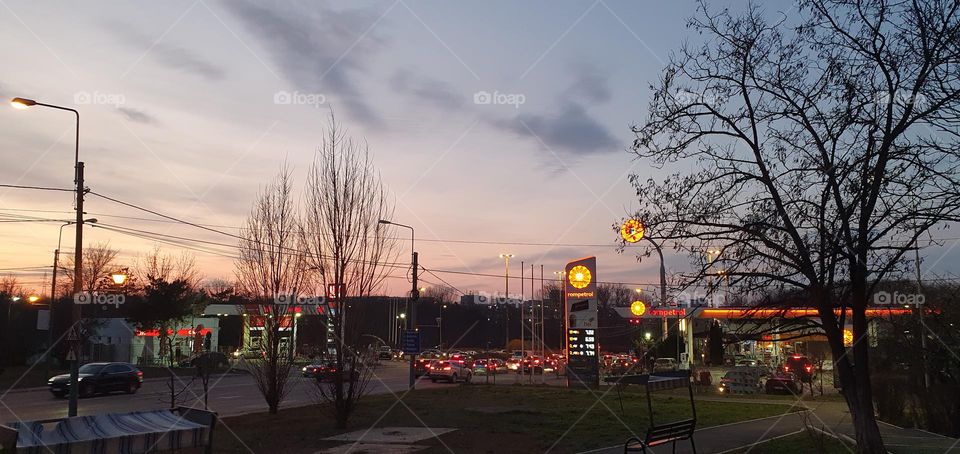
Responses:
[678,430]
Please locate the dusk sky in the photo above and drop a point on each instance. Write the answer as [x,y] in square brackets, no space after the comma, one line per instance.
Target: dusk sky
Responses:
[188,108]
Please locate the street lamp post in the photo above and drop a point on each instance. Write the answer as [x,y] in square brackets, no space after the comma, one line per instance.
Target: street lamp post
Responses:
[23,103]
[506,295]
[53,295]
[414,294]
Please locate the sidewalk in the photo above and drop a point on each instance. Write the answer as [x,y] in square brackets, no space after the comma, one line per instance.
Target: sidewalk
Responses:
[829,416]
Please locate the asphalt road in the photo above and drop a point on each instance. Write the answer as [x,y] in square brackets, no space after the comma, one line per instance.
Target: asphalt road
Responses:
[230,394]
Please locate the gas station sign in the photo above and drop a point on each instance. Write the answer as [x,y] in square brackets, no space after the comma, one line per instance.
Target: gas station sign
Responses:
[580,304]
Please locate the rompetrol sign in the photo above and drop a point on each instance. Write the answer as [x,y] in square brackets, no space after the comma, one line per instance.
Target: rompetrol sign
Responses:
[580,304]
[581,293]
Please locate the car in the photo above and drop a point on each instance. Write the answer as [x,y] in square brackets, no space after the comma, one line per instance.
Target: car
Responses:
[422,365]
[665,365]
[800,366]
[623,366]
[491,366]
[745,361]
[782,382]
[532,365]
[325,371]
[385,353]
[214,359]
[450,371]
[98,378]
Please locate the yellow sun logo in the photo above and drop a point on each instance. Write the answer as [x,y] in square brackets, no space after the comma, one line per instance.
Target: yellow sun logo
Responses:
[579,276]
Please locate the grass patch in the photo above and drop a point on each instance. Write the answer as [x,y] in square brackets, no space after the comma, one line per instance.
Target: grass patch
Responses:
[489,419]
[801,443]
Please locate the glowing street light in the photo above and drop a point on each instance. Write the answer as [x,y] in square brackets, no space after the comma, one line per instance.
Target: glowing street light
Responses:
[119,278]
[33,298]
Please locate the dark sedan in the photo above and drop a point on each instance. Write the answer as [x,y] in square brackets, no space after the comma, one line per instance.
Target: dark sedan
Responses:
[206,359]
[782,382]
[327,371]
[97,378]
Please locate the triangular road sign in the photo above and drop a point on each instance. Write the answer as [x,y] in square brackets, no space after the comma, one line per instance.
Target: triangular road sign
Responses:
[71,356]
[72,335]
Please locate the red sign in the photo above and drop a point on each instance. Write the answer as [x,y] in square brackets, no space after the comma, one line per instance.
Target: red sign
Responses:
[184,332]
[667,312]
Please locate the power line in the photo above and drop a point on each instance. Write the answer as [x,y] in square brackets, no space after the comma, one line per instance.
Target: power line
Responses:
[40,188]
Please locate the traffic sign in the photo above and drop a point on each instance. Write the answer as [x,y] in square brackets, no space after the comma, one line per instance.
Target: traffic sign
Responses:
[71,355]
[72,335]
[411,342]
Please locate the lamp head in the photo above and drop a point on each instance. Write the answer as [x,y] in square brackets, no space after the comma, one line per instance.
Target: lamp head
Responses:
[384,221]
[22,103]
[119,278]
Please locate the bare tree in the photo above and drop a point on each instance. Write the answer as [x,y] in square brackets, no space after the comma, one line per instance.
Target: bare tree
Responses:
[442,293]
[345,200]
[98,264]
[271,269]
[825,151]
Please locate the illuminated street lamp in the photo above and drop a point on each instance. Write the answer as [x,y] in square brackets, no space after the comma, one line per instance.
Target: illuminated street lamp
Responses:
[33,298]
[23,103]
[119,278]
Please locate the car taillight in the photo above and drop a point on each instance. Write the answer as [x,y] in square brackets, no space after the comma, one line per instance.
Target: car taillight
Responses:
[786,368]
[809,368]
[446,368]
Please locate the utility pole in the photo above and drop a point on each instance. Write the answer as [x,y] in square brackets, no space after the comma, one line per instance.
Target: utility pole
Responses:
[75,345]
[412,317]
[506,297]
[53,299]
[523,329]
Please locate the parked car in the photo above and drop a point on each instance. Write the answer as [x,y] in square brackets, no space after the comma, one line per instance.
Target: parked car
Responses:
[623,366]
[97,378]
[326,371]
[800,366]
[665,365]
[385,353]
[450,371]
[210,359]
[782,382]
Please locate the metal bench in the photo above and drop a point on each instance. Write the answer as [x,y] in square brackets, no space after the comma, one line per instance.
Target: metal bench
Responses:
[663,433]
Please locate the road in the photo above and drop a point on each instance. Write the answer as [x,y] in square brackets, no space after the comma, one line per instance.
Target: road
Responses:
[230,394]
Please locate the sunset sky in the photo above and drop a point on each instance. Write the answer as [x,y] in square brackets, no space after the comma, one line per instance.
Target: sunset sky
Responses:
[189,107]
